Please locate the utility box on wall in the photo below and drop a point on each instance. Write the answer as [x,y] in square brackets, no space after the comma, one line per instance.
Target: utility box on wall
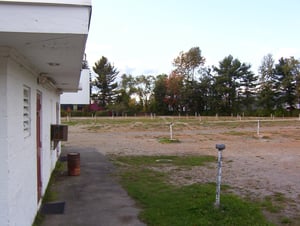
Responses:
[59,132]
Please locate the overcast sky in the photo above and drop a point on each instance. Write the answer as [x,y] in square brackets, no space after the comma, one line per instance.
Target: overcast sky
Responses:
[144,36]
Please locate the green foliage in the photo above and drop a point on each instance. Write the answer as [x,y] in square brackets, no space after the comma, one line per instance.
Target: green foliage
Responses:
[144,89]
[234,85]
[165,204]
[188,62]
[287,71]
[160,93]
[193,88]
[105,81]
[279,87]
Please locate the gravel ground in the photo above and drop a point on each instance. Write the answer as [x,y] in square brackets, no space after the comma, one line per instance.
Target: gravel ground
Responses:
[255,166]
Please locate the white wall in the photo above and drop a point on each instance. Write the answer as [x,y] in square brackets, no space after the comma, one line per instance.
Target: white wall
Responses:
[3,144]
[18,158]
[73,2]
[44,18]
[82,96]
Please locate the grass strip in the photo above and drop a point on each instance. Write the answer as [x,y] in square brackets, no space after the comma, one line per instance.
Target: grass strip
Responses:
[49,195]
[164,204]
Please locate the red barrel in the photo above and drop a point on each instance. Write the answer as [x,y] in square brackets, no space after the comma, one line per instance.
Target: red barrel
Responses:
[74,164]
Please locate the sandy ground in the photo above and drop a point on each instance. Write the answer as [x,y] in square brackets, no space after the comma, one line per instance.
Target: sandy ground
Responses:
[255,166]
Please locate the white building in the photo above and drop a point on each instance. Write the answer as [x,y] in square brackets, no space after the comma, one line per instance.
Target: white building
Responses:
[81,98]
[42,45]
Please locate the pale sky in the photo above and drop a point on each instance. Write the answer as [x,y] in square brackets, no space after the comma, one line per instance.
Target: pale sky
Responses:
[144,36]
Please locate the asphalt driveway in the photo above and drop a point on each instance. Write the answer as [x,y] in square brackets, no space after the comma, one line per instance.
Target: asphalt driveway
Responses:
[94,198]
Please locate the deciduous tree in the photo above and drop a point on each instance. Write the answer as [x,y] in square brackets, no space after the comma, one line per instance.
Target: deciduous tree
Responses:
[159,93]
[267,90]
[174,85]
[187,63]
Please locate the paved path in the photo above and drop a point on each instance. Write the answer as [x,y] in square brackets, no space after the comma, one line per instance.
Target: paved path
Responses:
[94,198]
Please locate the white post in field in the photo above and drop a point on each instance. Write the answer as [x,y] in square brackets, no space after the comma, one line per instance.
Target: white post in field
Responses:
[220,148]
[171,131]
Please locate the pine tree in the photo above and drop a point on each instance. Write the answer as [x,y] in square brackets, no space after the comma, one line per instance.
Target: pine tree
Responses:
[105,82]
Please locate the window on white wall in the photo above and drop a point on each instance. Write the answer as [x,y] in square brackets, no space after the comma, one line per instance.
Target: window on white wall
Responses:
[26,111]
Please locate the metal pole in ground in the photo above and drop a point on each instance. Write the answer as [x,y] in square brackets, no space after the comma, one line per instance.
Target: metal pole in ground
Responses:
[220,148]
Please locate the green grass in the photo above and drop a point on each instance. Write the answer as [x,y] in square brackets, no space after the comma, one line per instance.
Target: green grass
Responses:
[286,220]
[237,133]
[71,123]
[270,206]
[274,203]
[49,195]
[165,140]
[164,204]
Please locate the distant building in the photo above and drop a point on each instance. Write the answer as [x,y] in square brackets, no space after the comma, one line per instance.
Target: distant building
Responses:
[42,43]
[80,99]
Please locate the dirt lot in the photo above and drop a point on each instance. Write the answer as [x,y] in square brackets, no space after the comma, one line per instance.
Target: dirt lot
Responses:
[256,163]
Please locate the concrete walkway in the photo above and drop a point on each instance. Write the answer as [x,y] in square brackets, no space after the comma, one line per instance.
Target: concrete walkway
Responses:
[94,198]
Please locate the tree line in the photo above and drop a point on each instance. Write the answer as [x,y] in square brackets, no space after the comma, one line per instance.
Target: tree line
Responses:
[230,88]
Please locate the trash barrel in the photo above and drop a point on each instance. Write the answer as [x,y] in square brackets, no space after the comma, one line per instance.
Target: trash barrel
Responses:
[74,164]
